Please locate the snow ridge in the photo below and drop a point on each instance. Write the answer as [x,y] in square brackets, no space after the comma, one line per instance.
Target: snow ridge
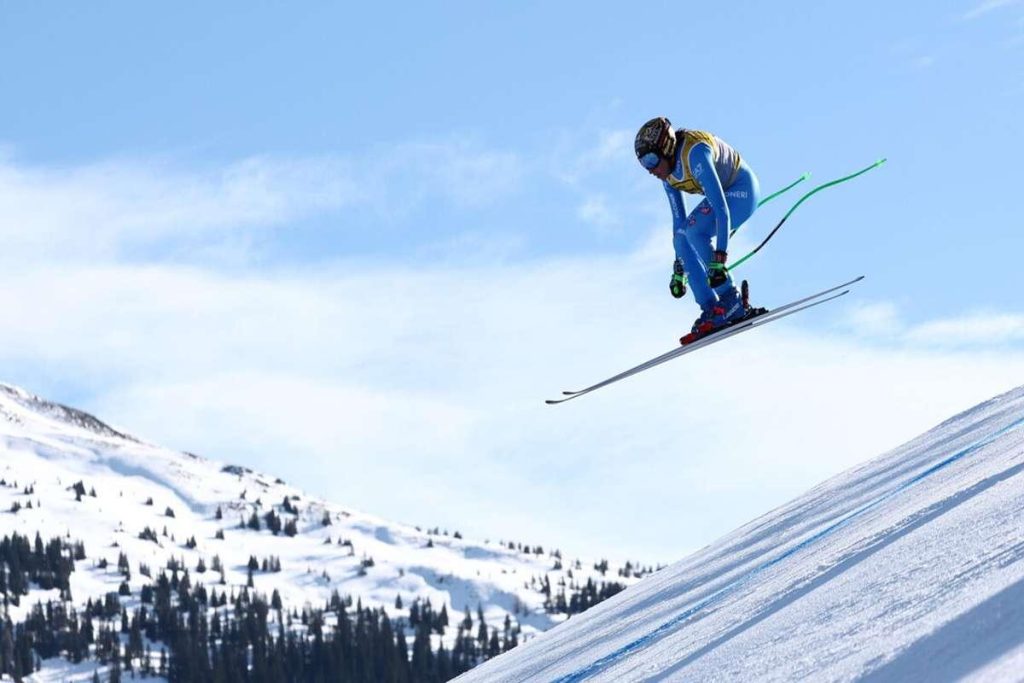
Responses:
[62,413]
[907,567]
[674,623]
[65,473]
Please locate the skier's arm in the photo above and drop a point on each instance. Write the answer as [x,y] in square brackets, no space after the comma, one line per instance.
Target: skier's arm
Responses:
[678,204]
[702,165]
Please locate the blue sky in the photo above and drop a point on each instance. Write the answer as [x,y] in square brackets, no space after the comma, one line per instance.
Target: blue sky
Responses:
[357,247]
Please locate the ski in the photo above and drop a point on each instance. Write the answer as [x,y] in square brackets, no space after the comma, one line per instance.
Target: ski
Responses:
[704,341]
[730,331]
[696,346]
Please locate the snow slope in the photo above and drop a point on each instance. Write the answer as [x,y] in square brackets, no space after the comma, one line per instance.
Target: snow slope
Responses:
[907,568]
[46,448]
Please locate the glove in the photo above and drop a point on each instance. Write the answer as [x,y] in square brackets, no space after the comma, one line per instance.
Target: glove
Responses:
[717,272]
[678,284]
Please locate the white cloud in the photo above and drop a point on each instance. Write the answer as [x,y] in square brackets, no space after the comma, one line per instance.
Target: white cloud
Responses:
[589,153]
[459,172]
[425,402]
[595,211]
[883,321]
[100,209]
[117,207]
[419,394]
[974,329]
[876,319]
[610,145]
[987,6]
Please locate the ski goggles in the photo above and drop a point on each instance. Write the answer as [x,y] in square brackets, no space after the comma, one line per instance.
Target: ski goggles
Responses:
[650,160]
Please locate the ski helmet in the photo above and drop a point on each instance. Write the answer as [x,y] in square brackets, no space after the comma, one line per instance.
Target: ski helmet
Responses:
[655,141]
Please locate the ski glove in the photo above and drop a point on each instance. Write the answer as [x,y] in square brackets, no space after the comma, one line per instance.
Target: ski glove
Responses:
[717,272]
[678,284]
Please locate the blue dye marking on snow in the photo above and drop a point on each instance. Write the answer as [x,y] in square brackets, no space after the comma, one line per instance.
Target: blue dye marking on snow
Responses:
[675,621]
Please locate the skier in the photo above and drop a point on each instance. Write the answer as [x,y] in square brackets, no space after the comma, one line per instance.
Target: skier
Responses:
[697,162]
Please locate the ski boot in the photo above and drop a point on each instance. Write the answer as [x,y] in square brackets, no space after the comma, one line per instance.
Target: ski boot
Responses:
[709,321]
[752,311]
[732,307]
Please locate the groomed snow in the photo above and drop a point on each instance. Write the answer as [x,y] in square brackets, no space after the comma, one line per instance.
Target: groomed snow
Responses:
[907,568]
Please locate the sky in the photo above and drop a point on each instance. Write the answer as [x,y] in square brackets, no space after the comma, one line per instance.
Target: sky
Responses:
[357,247]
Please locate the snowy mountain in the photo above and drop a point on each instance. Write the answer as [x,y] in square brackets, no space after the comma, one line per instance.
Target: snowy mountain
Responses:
[139,511]
[907,568]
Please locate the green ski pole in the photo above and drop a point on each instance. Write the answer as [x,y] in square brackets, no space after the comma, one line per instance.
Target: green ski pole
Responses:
[787,188]
[800,201]
[773,195]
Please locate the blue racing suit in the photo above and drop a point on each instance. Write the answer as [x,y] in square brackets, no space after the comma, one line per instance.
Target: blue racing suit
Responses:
[728,202]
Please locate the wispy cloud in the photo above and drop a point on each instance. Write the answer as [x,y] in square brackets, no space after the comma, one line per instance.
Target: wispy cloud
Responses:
[913,53]
[590,153]
[353,380]
[96,210]
[973,329]
[356,378]
[876,319]
[460,172]
[988,6]
[883,322]
[107,209]
[596,211]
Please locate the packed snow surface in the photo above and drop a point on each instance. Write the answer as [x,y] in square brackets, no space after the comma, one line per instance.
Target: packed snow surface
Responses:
[907,568]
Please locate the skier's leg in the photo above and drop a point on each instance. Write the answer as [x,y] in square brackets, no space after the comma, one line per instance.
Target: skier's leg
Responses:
[700,225]
[742,197]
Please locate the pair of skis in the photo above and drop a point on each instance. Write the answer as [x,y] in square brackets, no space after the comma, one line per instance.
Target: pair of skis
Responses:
[771,316]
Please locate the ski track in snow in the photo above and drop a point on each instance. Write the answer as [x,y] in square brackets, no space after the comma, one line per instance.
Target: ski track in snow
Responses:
[908,567]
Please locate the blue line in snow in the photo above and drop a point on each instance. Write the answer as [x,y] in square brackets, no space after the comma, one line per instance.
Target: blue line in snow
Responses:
[675,621]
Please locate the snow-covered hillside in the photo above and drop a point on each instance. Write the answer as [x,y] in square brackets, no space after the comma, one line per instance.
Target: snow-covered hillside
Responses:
[907,568]
[66,474]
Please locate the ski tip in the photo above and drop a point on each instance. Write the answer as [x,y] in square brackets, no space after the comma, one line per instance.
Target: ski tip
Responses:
[568,397]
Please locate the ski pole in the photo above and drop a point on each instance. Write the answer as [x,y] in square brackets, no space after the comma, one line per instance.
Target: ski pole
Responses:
[787,188]
[773,195]
[800,201]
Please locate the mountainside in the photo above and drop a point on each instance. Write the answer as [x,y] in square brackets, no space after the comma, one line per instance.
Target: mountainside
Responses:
[907,568]
[133,511]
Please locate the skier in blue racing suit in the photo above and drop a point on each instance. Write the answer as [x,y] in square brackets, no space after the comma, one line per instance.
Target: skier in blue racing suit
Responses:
[696,162]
